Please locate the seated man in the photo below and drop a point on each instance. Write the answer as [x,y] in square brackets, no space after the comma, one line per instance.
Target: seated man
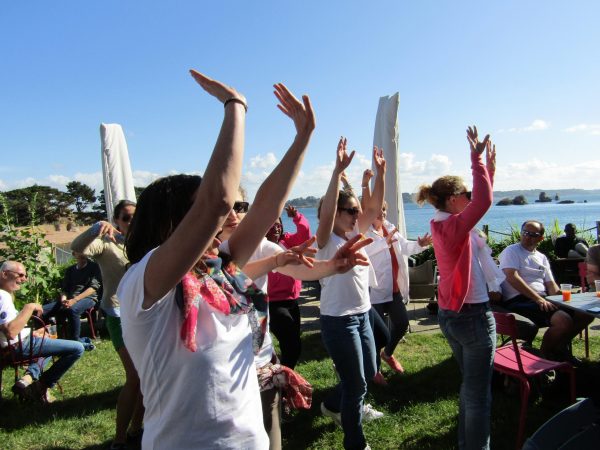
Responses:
[528,280]
[13,323]
[569,245]
[79,293]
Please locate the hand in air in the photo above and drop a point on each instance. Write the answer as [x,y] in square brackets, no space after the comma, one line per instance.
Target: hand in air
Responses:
[108,230]
[378,159]
[220,91]
[425,241]
[472,137]
[490,156]
[291,211]
[300,254]
[342,160]
[349,256]
[301,112]
[367,175]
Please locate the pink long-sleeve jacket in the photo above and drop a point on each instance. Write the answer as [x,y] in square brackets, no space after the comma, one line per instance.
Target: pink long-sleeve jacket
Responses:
[452,242]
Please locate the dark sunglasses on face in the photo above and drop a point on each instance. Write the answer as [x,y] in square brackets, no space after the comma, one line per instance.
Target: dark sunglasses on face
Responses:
[352,211]
[127,217]
[533,234]
[467,194]
[241,207]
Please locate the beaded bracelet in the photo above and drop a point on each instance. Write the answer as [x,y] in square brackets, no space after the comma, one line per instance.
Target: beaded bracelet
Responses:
[236,100]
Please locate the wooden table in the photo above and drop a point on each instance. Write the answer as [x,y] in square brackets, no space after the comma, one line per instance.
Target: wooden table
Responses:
[579,302]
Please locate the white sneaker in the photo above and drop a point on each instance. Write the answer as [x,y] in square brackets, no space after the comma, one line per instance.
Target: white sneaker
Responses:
[336,417]
[370,413]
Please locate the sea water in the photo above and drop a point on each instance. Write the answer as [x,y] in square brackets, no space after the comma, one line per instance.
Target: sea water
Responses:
[498,218]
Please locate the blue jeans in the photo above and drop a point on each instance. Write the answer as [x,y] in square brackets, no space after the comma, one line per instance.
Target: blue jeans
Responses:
[68,352]
[73,314]
[471,334]
[350,343]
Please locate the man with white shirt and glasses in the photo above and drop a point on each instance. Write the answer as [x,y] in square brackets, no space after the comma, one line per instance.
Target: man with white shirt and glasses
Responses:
[528,280]
[13,323]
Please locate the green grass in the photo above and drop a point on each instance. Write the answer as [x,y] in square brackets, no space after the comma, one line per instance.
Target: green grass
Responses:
[421,406]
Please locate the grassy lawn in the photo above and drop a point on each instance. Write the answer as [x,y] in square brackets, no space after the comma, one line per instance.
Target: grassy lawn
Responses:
[421,406]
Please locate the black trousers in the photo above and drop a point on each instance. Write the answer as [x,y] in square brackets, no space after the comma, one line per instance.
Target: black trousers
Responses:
[284,322]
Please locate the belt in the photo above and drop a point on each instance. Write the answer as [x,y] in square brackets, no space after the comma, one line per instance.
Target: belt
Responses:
[467,306]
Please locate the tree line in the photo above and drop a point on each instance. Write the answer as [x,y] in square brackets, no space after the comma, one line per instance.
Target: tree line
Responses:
[79,204]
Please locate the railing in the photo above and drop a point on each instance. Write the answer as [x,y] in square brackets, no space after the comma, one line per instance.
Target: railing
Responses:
[487,231]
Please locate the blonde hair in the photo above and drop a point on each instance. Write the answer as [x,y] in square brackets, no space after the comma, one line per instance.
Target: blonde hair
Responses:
[441,189]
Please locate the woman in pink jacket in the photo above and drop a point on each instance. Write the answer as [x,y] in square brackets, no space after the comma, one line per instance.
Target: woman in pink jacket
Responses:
[464,314]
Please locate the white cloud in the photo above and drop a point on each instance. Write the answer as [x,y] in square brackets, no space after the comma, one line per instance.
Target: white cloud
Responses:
[536,125]
[586,128]
[267,161]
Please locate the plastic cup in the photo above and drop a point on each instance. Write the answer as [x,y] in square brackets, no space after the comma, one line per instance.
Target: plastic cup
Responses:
[597,283]
[566,292]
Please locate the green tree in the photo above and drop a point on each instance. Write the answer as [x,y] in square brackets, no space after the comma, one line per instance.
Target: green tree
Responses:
[49,205]
[29,246]
[82,196]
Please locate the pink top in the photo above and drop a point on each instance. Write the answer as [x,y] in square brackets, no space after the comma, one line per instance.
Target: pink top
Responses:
[452,243]
[282,287]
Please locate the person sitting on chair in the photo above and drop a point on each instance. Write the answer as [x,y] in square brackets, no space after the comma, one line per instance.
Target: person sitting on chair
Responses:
[13,324]
[528,280]
[569,245]
[79,293]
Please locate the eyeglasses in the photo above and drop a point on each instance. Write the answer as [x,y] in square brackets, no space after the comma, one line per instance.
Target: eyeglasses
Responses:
[127,217]
[18,274]
[466,194]
[533,234]
[241,207]
[354,211]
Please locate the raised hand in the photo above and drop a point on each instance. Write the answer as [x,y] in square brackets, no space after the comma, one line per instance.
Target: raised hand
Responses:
[378,159]
[108,230]
[391,237]
[425,241]
[343,160]
[472,137]
[366,178]
[490,156]
[220,91]
[349,256]
[300,112]
[291,211]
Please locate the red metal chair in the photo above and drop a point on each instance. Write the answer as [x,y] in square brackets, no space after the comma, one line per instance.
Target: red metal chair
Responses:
[10,356]
[582,267]
[518,363]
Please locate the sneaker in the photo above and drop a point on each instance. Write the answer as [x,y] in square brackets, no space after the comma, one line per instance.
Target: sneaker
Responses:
[20,387]
[370,413]
[378,379]
[368,447]
[336,417]
[392,362]
[40,392]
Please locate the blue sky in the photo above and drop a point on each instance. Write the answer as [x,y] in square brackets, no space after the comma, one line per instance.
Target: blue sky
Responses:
[527,72]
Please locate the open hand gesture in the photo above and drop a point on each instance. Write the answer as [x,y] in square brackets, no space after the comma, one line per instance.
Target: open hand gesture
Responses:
[349,256]
[490,156]
[343,160]
[472,137]
[378,159]
[367,175]
[391,237]
[425,241]
[300,254]
[291,211]
[220,91]
[300,112]
[108,230]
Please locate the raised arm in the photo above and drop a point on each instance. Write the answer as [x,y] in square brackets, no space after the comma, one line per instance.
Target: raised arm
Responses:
[275,190]
[372,204]
[329,204]
[302,228]
[212,202]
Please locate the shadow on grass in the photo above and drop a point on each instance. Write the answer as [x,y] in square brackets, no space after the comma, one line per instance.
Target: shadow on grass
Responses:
[28,413]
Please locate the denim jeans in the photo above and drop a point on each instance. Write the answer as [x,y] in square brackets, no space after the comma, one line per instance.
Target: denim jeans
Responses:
[68,352]
[73,314]
[471,334]
[349,341]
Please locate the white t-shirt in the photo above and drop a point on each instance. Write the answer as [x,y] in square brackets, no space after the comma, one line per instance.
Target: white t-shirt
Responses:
[8,312]
[533,267]
[381,261]
[204,399]
[477,292]
[347,293]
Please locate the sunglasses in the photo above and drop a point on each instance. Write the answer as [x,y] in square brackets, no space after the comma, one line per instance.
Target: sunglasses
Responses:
[18,274]
[241,207]
[354,211]
[127,217]
[466,193]
[533,234]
